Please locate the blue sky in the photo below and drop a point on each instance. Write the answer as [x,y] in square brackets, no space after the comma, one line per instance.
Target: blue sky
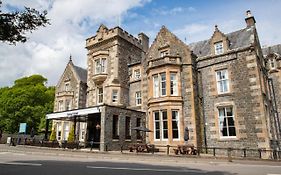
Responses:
[72,21]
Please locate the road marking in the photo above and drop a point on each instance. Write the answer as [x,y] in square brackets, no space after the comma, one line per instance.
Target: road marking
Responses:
[21,163]
[142,169]
[273,174]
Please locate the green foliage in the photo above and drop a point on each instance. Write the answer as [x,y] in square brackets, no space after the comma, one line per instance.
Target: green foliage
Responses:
[71,135]
[53,136]
[27,101]
[14,25]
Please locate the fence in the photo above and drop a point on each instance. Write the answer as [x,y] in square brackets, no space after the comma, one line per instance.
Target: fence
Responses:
[229,153]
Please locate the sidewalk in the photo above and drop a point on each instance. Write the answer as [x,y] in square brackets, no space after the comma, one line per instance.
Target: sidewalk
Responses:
[126,156]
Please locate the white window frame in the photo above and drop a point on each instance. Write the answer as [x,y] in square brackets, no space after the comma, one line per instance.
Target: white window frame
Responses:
[66,130]
[67,86]
[161,125]
[221,87]
[138,98]
[60,105]
[68,104]
[137,74]
[114,96]
[100,95]
[176,119]
[82,132]
[173,84]
[224,118]
[156,86]
[59,130]
[100,65]
[163,84]
[219,48]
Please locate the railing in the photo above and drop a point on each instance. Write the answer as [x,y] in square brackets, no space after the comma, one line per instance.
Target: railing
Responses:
[228,153]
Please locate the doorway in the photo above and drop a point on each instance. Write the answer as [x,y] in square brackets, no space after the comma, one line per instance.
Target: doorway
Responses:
[93,129]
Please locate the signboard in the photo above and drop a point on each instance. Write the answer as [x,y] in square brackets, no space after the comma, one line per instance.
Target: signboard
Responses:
[22,128]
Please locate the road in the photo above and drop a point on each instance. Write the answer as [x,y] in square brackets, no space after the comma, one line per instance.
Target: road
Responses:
[12,163]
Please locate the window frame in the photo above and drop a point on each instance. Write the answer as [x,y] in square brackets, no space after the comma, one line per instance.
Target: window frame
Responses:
[99,95]
[138,98]
[219,81]
[137,74]
[161,122]
[114,96]
[177,120]
[60,106]
[100,65]
[225,118]
[219,48]
[67,86]
[173,84]
[115,127]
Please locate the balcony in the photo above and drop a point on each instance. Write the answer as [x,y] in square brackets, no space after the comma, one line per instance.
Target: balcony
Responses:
[166,60]
[65,93]
[99,78]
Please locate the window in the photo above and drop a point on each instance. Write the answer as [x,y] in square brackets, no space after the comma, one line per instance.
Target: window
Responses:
[82,131]
[222,81]
[173,83]
[155,86]
[175,124]
[68,104]
[163,53]
[114,96]
[226,122]
[66,130]
[138,124]
[59,131]
[60,105]
[115,127]
[100,95]
[272,64]
[100,65]
[128,128]
[160,125]
[137,74]
[67,86]
[138,98]
[218,48]
[163,84]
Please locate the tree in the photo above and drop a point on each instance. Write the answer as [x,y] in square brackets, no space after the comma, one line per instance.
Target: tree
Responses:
[53,136]
[14,25]
[27,101]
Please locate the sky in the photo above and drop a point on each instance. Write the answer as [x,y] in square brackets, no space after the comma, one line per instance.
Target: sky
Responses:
[48,49]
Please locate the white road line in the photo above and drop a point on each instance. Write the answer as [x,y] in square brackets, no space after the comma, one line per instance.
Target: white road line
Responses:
[21,163]
[142,169]
[273,174]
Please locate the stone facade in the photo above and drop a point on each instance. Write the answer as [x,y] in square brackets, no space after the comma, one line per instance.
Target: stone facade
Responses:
[222,90]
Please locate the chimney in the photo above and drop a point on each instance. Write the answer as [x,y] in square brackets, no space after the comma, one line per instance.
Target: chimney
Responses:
[144,41]
[250,19]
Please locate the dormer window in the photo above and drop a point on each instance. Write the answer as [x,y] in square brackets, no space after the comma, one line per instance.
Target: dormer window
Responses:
[272,64]
[218,48]
[100,65]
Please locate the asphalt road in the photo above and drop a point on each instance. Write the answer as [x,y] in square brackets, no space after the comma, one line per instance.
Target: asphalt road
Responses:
[16,163]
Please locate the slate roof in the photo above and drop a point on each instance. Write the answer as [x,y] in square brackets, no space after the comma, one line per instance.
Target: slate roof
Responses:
[237,39]
[81,72]
[272,49]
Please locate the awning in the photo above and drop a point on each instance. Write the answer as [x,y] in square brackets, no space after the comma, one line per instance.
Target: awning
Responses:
[76,112]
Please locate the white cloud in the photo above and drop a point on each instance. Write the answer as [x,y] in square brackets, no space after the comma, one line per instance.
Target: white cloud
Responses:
[47,50]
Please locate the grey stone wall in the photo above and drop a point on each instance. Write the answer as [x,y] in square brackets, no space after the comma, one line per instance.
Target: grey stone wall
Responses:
[115,144]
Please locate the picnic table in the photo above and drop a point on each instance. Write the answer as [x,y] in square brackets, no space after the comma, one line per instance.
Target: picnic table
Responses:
[142,147]
[186,149]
